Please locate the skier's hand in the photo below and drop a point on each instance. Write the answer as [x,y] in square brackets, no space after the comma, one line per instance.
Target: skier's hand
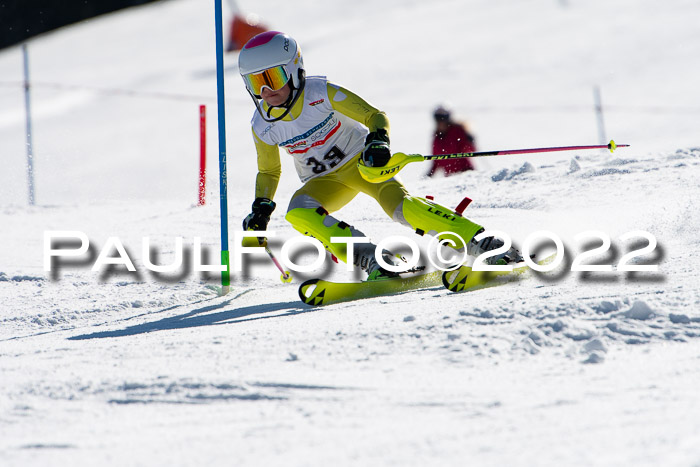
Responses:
[260,217]
[376,152]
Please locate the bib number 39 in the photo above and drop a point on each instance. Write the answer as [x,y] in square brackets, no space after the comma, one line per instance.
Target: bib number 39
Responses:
[330,160]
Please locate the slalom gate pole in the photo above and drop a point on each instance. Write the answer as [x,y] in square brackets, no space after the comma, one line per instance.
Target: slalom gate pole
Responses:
[27,106]
[202,154]
[599,114]
[223,180]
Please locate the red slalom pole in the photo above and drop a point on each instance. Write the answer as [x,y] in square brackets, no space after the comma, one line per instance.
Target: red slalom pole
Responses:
[202,154]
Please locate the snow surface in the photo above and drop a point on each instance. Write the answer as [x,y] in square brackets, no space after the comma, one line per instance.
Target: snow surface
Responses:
[120,368]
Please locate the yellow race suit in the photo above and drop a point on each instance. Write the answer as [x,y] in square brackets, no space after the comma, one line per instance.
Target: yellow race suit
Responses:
[325,133]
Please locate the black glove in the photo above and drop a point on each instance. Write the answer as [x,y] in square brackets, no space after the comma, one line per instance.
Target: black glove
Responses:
[260,217]
[376,152]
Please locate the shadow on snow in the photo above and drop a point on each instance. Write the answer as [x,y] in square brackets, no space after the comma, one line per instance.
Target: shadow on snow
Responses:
[203,317]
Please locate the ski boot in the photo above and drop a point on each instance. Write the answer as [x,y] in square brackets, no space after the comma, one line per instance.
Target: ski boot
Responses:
[319,224]
[427,217]
[475,248]
[366,260]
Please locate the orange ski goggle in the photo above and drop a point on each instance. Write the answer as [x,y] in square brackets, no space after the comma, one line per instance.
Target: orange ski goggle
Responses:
[273,78]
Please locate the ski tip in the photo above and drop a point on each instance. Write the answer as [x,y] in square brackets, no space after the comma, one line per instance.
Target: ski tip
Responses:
[308,293]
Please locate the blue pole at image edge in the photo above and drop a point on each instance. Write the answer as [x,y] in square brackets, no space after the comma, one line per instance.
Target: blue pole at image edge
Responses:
[223,184]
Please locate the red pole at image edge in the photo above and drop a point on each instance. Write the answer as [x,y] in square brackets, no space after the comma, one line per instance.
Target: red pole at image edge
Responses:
[202,154]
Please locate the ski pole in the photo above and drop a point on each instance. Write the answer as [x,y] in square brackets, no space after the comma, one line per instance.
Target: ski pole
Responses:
[262,242]
[399,160]
[286,275]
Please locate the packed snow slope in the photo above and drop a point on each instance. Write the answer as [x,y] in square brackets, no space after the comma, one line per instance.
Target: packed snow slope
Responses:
[113,367]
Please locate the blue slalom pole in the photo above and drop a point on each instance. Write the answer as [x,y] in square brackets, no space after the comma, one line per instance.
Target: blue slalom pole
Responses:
[223,180]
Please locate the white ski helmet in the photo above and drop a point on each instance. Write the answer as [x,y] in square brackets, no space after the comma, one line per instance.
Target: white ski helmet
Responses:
[272,59]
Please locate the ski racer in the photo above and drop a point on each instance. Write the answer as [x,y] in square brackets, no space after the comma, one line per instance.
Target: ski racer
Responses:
[329,130]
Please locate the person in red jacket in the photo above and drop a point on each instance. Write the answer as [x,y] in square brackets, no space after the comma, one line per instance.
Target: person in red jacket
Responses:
[450,137]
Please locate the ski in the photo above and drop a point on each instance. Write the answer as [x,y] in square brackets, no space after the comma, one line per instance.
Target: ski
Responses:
[463,279]
[318,292]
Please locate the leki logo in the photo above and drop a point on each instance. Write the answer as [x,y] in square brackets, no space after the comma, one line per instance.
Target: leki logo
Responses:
[445,215]
[388,171]
[320,101]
